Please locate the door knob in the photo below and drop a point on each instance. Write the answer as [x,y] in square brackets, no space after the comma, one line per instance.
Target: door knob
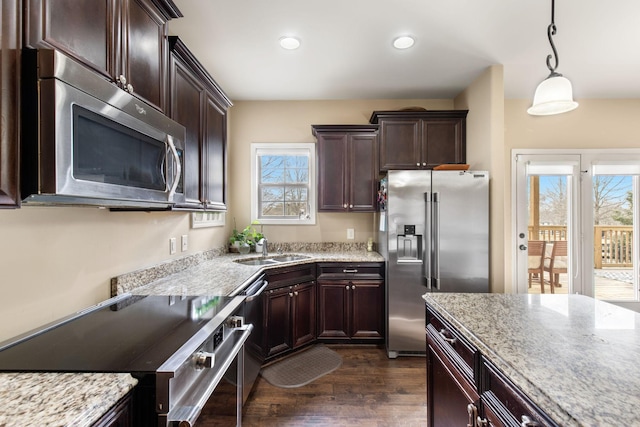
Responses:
[523,247]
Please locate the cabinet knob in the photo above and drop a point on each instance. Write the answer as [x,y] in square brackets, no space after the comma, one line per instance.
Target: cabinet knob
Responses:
[351,206]
[528,422]
[442,333]
[291,294]
[480,422]
[347,287]
[418,164]
[296,293]
[344,206]
[353,287]
[473,413]
[424,163]
[122,80]
[129,88]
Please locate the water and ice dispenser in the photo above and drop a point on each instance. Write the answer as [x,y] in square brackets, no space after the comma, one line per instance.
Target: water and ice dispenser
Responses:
[409,243]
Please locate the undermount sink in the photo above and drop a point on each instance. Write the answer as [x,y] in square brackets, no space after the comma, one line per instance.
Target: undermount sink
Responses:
[271,260]
[287,258]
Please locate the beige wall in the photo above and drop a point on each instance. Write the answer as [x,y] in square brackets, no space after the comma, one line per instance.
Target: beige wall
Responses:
[290,121]
[58,260]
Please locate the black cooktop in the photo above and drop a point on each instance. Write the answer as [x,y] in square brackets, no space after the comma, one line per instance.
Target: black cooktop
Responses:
[136,334]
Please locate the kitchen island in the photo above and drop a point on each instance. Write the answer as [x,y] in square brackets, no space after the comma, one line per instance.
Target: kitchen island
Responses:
[573,357]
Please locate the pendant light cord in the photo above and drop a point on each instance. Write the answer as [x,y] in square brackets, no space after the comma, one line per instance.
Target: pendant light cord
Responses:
[551,31]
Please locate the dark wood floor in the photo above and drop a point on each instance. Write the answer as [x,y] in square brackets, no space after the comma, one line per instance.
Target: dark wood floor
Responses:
[368,390]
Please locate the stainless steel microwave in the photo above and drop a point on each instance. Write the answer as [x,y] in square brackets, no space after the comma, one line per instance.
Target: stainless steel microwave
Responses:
[85,141]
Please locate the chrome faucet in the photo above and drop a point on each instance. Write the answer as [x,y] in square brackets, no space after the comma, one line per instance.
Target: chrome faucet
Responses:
[265,251]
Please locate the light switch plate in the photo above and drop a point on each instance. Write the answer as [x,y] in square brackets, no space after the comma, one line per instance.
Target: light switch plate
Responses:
[351,234]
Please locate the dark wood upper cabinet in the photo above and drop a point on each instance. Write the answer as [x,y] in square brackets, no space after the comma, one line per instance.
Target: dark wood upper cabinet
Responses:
[123,40]
[200,105]
[421,139]
[10,34]
[347,167]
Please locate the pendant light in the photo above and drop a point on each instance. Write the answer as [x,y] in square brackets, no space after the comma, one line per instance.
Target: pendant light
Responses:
[555,94]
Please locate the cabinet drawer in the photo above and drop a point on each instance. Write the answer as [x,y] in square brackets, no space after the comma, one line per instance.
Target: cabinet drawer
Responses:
[442,335]
[504,404]
[292,275]
[337,271]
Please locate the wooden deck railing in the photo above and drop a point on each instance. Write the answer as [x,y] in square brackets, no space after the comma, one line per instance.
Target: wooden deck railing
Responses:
[614,248]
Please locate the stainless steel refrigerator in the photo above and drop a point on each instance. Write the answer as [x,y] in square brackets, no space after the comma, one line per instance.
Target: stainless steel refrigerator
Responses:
[434,235]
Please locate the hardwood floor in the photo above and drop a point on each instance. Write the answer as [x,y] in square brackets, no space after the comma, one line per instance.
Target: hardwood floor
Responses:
[368,390]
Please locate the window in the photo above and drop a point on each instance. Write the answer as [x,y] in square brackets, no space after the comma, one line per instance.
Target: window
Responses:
[283,183]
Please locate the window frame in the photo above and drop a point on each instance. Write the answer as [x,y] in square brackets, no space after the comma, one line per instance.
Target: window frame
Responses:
[275,148]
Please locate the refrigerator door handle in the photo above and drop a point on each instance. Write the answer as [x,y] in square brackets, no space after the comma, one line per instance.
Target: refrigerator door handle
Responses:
[426,252]
[436,238]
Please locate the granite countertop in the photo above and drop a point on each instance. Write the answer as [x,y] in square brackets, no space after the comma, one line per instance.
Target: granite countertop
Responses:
[59,399]
[576,357]
[222,275]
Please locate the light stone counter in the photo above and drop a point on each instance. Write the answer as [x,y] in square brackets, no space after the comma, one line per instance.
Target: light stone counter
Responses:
[221,275]
[57,399]
[576,357]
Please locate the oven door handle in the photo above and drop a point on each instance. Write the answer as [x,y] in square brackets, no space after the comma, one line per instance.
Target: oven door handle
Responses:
[253,295]
[186,416]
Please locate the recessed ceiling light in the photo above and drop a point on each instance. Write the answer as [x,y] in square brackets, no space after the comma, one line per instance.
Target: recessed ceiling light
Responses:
[289,43]
[403,42]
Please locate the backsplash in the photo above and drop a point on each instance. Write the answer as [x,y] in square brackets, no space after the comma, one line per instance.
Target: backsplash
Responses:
[316,247]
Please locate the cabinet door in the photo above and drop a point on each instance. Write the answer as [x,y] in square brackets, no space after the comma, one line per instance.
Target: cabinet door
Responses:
[10,31]
[363,172]
[332,155]
[186,95]
[400,144]
[443,141]
[144,50]
[304,313]
[367,318]
[333,306]
[84,30]
[215,147]
[277,312]
[447,399]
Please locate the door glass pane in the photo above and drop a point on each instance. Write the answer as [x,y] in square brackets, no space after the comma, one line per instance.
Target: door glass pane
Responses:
[549,205]
[613,236]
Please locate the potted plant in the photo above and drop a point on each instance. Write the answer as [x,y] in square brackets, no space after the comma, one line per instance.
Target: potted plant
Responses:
[243,241]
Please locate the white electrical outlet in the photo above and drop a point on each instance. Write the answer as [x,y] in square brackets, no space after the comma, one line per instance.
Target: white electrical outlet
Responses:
[351,234]
[185,242]
[172,246]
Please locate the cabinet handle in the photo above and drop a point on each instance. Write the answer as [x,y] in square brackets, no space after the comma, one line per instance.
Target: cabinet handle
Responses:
[473,413]
[444,337]
[482,422]
[528,422]
[354,270]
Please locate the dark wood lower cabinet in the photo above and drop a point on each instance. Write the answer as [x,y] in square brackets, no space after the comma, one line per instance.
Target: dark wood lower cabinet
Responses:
[351,302]
[464,388]
[289,309]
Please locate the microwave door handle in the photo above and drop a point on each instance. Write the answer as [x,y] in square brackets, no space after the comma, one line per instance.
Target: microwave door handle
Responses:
[178,169]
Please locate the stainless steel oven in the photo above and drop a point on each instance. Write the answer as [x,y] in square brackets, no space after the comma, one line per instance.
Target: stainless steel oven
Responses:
[86,141]
[187,353]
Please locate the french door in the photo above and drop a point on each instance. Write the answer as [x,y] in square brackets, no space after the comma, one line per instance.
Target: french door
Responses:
[583,206]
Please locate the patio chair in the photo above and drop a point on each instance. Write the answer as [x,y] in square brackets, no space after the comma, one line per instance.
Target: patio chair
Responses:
[556,263]
[536,261]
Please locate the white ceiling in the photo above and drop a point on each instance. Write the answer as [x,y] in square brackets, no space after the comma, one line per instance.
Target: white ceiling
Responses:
[346,50]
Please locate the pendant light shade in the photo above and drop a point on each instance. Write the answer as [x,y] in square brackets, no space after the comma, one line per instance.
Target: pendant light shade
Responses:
[555,94]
